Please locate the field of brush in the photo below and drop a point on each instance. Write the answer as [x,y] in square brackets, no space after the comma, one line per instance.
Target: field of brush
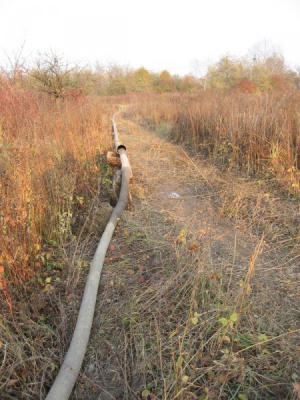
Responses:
[247,344]
[257,134]
[254,139]
[52,175]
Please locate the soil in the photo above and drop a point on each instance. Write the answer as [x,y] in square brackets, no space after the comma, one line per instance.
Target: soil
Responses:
[176,197]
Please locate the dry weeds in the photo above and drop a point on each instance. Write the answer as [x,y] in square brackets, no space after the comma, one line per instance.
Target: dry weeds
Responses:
[52,174]
[258,134]
[199,297]
[194,302]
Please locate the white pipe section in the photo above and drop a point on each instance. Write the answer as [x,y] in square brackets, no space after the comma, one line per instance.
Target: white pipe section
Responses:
[66,378]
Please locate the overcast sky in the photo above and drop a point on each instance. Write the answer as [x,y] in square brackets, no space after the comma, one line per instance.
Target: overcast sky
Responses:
[156,34]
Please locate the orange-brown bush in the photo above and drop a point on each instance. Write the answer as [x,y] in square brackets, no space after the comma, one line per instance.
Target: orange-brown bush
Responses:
[49,164]
[256,133]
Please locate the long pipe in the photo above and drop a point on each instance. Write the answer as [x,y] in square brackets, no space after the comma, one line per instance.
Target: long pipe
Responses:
[66,378]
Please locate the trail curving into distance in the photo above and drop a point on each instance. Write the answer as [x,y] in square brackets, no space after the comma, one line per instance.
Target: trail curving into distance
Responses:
[67,376]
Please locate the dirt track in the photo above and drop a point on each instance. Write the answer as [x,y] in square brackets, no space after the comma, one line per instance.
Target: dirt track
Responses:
[177,200]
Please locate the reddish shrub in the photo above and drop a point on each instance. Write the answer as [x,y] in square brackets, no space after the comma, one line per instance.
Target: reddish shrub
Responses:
[245,86]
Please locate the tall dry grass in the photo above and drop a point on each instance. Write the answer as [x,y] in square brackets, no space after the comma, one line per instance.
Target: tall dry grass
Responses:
[53,180]
[200,316]
[256,133]
[49,167]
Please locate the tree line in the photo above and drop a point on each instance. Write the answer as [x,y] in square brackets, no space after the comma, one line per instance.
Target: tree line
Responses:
[53,74]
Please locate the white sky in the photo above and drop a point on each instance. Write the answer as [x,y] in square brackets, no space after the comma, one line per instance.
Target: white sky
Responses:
[156,34]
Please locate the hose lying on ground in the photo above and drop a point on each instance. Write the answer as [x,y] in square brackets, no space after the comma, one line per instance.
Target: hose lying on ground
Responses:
[66,378]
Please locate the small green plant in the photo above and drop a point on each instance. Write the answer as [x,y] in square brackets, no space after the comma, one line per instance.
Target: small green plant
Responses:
[164,130]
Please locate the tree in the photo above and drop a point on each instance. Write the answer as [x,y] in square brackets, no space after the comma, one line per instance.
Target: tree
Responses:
[269,72]
[267,69]
[262,50]
[295,77]
[142,80]
[260,77]
[118,79]
[200,71]
[14,67]
[100,80]
[165,82]
[275,64]
[225,73]
[185,84]
[52,74]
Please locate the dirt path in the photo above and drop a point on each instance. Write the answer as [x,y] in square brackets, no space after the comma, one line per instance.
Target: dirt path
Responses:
[176,223]
[162,170]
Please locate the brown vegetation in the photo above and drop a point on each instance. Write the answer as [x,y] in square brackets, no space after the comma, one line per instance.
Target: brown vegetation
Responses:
[50,160]
[52,171]
[50,73]
[199,296]
[192,318]
[258,134]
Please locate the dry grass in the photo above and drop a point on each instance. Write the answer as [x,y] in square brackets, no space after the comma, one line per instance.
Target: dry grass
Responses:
[175,322]
[52,175]
[258,134]
[51,154]
[199,297]
[195,305]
